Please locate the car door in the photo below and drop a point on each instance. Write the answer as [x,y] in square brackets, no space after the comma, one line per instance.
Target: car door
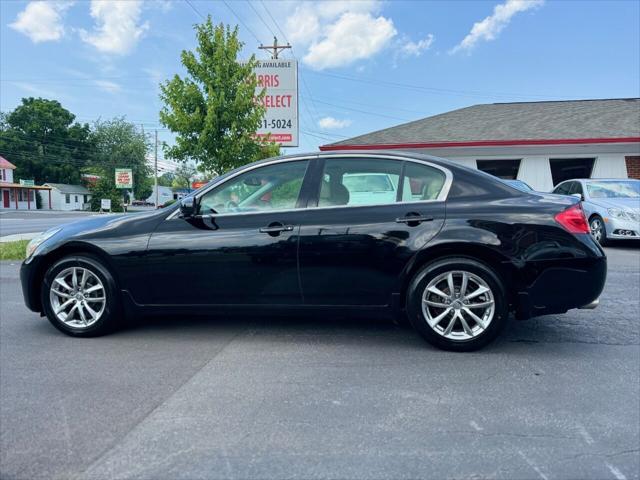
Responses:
[241,249]
[355,241]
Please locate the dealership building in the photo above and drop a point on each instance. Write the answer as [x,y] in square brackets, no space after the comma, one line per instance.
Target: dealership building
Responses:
[541,143]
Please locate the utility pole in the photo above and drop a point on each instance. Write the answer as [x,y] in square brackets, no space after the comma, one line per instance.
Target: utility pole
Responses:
[155,162]
[275,48]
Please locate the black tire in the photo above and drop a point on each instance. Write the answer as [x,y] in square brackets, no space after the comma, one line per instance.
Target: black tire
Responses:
[596,222]
[434,270]
[112,313]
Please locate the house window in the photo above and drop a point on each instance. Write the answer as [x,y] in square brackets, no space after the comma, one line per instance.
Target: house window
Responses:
[67,198]
[568,168]
[4,175]
[85,199]
[507,169]
[32,196]
[12,195]
[76,199]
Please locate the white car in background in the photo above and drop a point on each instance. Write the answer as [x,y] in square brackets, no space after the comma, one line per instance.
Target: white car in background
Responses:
[612,206]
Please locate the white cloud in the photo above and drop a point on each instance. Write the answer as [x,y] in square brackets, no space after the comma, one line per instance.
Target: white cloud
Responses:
[118,26]
[41,21]
[354,36]
[415,49]
[329,123]
[108,86]
[37,90]
[336,34]
[489,28]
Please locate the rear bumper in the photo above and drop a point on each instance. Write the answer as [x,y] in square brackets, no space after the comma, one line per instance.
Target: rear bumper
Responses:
[562,286]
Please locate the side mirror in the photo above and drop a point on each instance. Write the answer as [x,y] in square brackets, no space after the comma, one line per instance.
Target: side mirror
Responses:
[578,196]
[187,207]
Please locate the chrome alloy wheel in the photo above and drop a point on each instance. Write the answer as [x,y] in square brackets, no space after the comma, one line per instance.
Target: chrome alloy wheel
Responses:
[596,229]
[458,305]
[77,297]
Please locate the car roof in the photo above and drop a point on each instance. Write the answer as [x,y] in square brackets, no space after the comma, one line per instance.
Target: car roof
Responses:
[585,180]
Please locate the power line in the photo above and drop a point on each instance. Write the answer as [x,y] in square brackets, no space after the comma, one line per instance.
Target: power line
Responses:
[194,8]
[366,112]
[413,87]
[240,20]
[260,17]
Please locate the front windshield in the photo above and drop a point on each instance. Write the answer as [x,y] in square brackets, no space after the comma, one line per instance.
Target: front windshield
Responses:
[621,189]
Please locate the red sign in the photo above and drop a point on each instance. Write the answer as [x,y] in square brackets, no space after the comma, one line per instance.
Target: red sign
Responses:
[277,137]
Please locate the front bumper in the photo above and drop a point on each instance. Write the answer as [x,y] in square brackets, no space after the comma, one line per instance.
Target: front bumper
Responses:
[621,229]
[31,286]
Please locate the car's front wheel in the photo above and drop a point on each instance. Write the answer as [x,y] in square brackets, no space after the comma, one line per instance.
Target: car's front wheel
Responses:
[598,230]
[80,298]
[457,304]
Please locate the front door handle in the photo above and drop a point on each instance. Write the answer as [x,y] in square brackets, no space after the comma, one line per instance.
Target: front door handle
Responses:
[275,228]
[413,219]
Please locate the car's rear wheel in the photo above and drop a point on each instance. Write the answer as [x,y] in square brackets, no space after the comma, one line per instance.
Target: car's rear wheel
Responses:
[80,298]
[457,304]
[598,230]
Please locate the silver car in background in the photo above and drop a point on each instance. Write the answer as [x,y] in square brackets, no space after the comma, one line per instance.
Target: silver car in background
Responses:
[612,206]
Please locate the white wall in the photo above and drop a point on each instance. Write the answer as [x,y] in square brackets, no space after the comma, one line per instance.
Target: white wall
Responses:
[534,165]
[609,166]
[8,175]
[58,201]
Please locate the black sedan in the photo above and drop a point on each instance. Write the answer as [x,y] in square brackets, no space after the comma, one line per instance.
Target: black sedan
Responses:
[452,249]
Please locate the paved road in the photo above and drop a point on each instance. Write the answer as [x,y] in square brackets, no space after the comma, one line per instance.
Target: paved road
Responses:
[12,223]
[555,397]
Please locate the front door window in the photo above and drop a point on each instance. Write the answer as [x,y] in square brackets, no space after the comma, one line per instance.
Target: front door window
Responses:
[269,188]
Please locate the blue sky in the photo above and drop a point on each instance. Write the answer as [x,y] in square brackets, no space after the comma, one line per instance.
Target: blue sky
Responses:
[364,65]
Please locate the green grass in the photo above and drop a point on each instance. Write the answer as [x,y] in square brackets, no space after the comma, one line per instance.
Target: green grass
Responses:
[13,250]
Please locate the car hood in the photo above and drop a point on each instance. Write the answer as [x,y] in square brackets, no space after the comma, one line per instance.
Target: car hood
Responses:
[97,225]
[623,203]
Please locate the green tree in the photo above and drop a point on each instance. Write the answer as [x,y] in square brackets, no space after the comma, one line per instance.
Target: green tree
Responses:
[105,188]
[119,144]
[183,176]
[166,179]
[212,110]
[42,140]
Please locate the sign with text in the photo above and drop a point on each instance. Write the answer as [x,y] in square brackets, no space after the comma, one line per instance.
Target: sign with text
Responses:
[279,78]
[27,183]
[105,204]
[124,178]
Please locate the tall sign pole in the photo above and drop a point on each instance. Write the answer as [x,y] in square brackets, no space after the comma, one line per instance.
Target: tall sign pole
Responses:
[155,166]
[278,79]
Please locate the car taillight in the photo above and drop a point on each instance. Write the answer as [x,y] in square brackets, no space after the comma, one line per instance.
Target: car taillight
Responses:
[573,219]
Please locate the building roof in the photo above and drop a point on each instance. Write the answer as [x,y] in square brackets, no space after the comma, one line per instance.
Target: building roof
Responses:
[520,123]
[66,188]
[4,163]
[25,187]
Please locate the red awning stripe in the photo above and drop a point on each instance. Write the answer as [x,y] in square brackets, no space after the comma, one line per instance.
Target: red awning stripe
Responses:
[482,143]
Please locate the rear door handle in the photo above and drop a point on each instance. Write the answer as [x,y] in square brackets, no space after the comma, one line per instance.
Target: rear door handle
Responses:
[413,218]
[276,228]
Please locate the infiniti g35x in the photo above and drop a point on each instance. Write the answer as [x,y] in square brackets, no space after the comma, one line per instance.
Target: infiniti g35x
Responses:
[453,250]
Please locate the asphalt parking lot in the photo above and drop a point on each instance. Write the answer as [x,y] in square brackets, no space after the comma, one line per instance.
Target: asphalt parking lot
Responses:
[271,398]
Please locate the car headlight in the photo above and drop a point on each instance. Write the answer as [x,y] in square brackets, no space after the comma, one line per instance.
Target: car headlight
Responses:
[618,213]
[37,241]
